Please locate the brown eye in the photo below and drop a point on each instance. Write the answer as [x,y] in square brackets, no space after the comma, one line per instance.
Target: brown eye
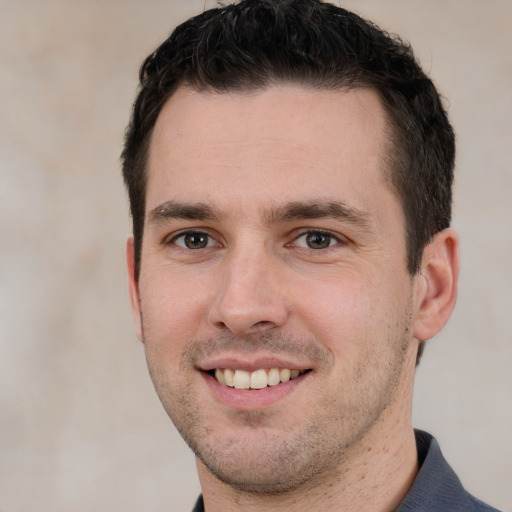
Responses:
[194,240]
[318,240]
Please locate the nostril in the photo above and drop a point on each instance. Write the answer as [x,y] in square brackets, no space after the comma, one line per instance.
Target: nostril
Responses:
[263,323]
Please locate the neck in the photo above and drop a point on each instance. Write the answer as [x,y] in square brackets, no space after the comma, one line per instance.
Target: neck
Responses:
[375,475]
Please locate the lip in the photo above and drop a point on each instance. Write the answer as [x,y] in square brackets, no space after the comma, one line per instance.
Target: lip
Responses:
[259,363]
[252,399]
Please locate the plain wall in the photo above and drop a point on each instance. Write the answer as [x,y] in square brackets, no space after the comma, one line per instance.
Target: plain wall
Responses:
[81,428]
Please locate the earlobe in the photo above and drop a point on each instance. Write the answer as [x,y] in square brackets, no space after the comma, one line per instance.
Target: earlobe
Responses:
[133,285]
[438,284]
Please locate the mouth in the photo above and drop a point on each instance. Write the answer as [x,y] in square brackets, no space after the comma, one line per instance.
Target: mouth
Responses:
[257,379]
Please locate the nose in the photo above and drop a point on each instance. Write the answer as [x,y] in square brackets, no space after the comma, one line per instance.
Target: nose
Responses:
[251,295]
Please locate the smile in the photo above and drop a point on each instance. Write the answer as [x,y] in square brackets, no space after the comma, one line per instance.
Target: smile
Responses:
[258,379]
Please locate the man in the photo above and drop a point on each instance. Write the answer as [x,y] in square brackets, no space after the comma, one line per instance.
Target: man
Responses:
[289,168]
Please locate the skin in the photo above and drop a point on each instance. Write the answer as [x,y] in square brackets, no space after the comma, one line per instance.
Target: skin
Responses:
[260,175]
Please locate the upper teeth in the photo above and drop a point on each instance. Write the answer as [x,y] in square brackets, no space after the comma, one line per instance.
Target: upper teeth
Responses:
[258,379]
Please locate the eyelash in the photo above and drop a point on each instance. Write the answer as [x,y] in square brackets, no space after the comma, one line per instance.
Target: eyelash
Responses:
[184,234]
[337,238]
[211,240]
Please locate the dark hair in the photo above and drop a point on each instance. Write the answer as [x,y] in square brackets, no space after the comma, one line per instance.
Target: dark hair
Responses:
[256,43]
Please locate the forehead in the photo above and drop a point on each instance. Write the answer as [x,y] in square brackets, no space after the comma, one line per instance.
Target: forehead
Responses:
[275,145]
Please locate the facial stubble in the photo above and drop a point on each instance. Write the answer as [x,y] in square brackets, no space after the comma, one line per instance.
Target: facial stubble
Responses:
[263,453]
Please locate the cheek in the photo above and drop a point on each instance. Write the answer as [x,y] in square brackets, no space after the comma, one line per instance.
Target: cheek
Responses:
[172,307]
[352,316]
[333,306]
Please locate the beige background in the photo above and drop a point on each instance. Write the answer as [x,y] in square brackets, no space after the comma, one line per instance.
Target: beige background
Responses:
[81,428]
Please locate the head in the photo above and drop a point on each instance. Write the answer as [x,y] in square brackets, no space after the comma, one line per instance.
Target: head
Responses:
[257,43]
[289,169]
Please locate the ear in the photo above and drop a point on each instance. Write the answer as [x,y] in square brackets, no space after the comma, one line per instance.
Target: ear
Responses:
[133,285]
[437,290]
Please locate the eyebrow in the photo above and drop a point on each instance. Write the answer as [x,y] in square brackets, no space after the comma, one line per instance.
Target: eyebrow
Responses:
[289,212]
[176,210]
[318,210]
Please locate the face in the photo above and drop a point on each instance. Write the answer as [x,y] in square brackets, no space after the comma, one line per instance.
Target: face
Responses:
[273,300]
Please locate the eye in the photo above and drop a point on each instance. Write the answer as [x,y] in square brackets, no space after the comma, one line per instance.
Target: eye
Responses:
[194,240]
[316,240]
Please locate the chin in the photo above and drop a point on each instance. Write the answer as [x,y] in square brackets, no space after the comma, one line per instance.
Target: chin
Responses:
[261,461]
[270,477]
